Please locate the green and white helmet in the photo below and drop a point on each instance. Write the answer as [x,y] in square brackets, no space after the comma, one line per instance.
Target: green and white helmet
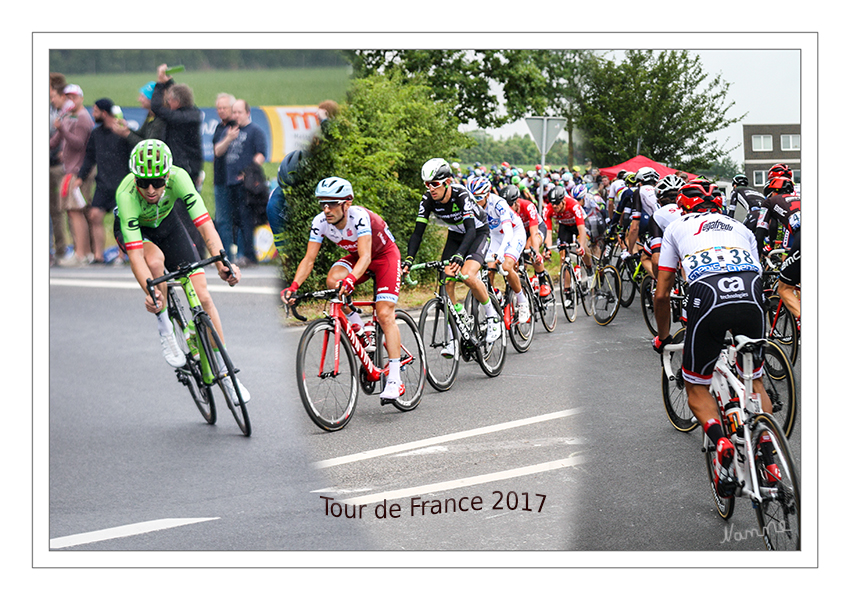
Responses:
[150,158]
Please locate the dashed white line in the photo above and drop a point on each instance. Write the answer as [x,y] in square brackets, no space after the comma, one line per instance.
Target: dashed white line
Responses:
[122,531]
[333,462]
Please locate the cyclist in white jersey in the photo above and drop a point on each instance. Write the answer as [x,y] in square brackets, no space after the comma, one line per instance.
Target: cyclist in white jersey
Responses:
[666,191]
[721,264]
[507,239]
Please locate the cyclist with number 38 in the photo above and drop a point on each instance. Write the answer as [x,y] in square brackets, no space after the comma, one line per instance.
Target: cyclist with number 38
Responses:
[372,251]
[720,260]
[154,238]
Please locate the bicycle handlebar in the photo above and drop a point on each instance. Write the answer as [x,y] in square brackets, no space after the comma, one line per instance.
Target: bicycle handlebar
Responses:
[432,264]
[330,294]
[186,269]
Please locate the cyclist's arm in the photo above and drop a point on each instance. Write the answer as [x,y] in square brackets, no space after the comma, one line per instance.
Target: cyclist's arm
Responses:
[468,236]
[664,284]
[364,254]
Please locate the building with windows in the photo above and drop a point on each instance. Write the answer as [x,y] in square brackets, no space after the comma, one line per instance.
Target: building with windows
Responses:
[766,145]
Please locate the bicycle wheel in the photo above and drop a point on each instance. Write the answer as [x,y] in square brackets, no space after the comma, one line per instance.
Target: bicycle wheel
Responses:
[725,506]
[491,357]
[412,360]
[548,304]
[437,331]
[521,334]
[779,511]
[629,288]
[226,378]
[778,380]
[647,304]
[781,327]
[329,394]
[190,375]
[587,291]
[674,394]
[569,292]
[607,297]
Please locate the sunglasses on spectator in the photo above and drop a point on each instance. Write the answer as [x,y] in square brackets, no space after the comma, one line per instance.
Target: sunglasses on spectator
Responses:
[432,185]
[156,182]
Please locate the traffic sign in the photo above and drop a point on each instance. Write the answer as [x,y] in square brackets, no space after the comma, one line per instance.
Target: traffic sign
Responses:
[545,130]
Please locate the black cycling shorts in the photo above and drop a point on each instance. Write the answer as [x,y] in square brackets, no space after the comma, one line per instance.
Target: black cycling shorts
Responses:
[476,251]
[789,272]
[717,304]
[171,237]
[567,234]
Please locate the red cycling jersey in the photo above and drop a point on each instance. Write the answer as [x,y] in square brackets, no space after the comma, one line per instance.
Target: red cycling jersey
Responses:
[527,212]
[571,214]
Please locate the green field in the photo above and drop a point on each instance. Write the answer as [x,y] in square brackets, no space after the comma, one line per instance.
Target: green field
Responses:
[292,86]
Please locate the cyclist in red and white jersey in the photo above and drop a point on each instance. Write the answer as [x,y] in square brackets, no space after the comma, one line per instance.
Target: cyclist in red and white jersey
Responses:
[535,231]
[569,215]
[372,252]
[720,260]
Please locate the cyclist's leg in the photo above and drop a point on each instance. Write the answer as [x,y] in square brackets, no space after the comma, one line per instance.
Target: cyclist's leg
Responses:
[338,271]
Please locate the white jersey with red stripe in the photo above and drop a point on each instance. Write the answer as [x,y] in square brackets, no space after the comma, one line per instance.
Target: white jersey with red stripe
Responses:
[708,244]
[662,218]
[360,221]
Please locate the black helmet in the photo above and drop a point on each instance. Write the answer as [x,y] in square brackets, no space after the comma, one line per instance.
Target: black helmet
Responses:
[288,169]
[740,179]
[557,194]
[510,194]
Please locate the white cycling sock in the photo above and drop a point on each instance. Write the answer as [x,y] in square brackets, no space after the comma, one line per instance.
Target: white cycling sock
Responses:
[395,370]
[489,309]
[520,297]
[163,323]
[354,319]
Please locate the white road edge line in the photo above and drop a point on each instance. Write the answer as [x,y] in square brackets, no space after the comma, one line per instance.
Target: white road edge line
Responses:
[122,531]
[132,285]
[466,481]
[333,462]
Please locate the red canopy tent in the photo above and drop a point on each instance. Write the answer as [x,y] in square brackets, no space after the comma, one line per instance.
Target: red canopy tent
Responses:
[633,164]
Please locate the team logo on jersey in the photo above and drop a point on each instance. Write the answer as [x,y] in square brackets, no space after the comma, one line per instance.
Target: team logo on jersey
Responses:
[359,225]
[718,225]
[731,284]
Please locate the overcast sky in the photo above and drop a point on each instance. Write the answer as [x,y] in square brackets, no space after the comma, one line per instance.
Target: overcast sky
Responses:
[764,84]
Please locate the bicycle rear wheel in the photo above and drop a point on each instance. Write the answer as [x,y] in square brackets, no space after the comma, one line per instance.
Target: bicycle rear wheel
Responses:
[725,506]
[521,334]
[607,295]
[779,382]
[190,375]
[230,387]
[781,327]
[647,304]
[548,305]
[329,394]
[673,392]
[491,357]
[629,287]
[569,291]
[779,511]
[412,361]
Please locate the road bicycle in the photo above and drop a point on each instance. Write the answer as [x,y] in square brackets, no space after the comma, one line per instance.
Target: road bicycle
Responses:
[631,274]
[759,445]
[544,308]
[201,343]
[600,294]
[330,352]
[678,298]
[777,377]
[450,335]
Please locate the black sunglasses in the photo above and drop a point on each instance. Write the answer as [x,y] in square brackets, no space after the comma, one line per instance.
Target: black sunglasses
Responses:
[156,182]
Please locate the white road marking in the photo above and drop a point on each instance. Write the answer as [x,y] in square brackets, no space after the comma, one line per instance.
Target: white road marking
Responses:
[466,481]
[132,285]
[333,462]
[122,531]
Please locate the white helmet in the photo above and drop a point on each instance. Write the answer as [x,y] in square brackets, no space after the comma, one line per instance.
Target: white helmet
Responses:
[435,169]
[647,175]
[334,189]
[671,183]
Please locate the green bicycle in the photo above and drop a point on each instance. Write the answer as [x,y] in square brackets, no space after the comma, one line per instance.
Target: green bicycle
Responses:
[197,338]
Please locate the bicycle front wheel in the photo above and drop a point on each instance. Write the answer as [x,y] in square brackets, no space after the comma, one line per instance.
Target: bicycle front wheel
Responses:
[778,485]
[190,375]
[328,390]
[569,292]
[607,299]
[412,358]
[491,357]
[673,392]
[781,327]
[725,506]
[521,334]
[548,304]
[227,382]
[778,380]
[439,333]
[629,287]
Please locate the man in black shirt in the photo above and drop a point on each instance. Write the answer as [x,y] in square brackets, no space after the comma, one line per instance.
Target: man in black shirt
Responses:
[741,192]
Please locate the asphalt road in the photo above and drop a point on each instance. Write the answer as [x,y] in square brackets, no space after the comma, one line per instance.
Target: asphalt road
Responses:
[568,449]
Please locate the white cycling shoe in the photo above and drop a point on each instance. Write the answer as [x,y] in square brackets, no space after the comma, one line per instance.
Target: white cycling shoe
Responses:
[392,390]
[450,349]
[493,330]
[227,382]
[523,313]
[171,351]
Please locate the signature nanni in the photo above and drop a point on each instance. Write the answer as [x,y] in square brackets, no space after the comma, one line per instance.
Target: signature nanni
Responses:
[731,534]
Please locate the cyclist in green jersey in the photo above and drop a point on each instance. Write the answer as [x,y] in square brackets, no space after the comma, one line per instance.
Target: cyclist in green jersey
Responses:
[148,229]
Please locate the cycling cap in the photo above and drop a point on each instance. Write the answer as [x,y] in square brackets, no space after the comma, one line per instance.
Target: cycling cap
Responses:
[334,189]
[150,158]
[579,191]
[436,169]
[699,196]
[510,194]
[288,169]
[478,186]
[647,175]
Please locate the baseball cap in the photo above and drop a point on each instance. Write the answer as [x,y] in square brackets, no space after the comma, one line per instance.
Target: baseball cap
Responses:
[73,88]
[147,89]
